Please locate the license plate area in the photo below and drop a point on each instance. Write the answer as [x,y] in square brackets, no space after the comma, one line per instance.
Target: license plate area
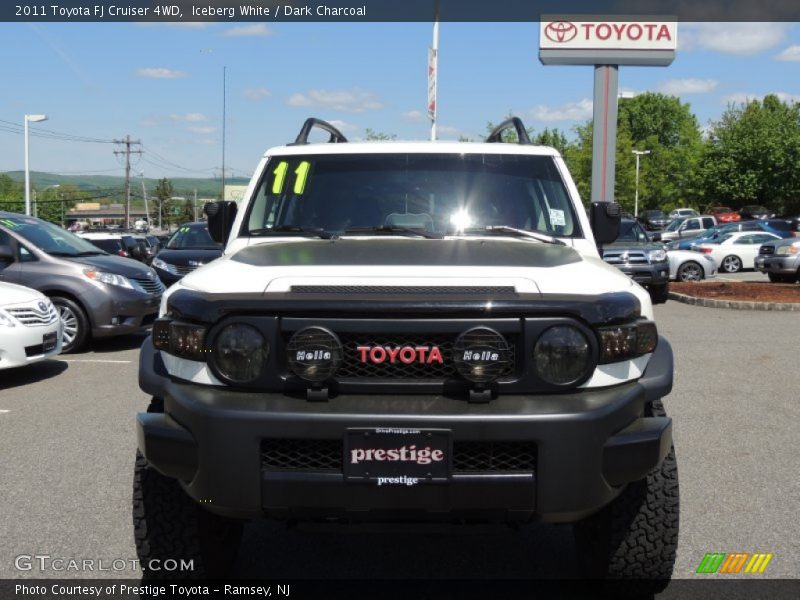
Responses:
[49,341]
[397,455]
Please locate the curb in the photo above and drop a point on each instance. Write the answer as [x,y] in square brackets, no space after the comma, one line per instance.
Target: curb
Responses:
[734,304]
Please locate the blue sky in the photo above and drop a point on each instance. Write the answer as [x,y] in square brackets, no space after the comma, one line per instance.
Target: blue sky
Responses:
[163,84]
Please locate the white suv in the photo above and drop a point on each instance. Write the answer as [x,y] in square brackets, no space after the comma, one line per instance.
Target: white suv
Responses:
[404,331]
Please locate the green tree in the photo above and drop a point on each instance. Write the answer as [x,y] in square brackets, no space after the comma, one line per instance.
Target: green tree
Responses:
[187,211]
[161,209]
[752,156]
[371,135]
[54,203]
[12,195]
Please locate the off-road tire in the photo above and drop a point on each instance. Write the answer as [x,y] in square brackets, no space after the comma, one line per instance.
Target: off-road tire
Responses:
[632,542]
[169,525]
[659,294]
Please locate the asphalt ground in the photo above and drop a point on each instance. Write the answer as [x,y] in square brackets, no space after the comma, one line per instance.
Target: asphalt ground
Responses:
[67,444]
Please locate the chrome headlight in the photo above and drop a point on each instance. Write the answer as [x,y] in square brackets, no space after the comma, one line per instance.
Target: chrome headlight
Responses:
[562,355]
[240,352]
[164,266]
[657,255]
[108,278]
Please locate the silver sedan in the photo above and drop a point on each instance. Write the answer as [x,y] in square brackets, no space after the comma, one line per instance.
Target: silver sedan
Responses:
[687,265]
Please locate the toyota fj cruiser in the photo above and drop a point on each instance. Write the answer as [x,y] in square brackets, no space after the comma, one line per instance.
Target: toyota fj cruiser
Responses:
[409,331]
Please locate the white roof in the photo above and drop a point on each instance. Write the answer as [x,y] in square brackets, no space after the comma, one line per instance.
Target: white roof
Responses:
[392,147]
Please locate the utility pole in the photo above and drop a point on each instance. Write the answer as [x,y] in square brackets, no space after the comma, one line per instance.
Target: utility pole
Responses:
[195,205]
[638,153]
[433,74]
[224,96]
[127,152]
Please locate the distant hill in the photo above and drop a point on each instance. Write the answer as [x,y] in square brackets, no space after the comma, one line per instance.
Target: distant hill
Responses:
[113,186]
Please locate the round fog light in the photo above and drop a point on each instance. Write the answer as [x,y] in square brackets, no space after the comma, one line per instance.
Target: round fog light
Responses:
[562,355]
[240,352]
[481,354]
[314,354]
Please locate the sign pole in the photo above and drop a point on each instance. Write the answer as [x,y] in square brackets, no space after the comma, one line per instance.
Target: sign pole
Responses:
[433,68]
[604,132]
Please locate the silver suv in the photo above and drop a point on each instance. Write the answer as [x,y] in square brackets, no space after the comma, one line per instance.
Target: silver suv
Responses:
[780,260]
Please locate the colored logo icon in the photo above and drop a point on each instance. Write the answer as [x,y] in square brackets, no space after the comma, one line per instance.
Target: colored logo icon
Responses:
[560,31]
[733,563]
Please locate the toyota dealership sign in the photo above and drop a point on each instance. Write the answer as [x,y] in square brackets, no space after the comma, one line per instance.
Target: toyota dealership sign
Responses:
[597,41]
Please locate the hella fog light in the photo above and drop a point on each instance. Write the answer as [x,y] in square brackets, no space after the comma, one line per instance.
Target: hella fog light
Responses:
[562,355]
[240,352]
[314,354]
[481,354]
[627,341]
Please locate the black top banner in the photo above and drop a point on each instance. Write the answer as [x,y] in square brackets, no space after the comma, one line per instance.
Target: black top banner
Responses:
[391,10]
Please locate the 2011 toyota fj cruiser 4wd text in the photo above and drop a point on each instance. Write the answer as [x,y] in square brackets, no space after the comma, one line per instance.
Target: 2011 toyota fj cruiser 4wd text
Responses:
[420,331]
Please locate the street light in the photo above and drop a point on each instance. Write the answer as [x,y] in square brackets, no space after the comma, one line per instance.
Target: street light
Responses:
[638,153]
[29,119]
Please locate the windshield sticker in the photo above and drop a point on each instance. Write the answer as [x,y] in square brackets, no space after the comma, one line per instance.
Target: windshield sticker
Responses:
[9,223]
[280,176]
[557,218]
[302,175]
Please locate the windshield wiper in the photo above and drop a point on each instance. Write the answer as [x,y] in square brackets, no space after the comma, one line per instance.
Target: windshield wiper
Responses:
[91,253]
[391,230]
[314,231]
[505,229]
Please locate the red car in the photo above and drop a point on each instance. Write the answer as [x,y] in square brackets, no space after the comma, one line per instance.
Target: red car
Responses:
[724,214]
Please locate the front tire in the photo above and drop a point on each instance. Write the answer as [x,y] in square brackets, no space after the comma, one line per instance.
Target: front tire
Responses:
[75,322]
[731,264]
[169,526]
[634,540]
[659,293]
[690,271]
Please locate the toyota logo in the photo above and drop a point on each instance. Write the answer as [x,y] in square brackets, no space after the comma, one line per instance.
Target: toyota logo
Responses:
[560,31]
[42,307]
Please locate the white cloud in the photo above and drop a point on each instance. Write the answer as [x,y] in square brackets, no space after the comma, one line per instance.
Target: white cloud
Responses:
[202,130]
[161,73]
[344,126]
[689,85]
[744,97]
[256,93]
[254,30]
[414,116]
[731,38]
[449,132]
[572,111]
[206,142]
[353,101]
[790,54]
[190,117]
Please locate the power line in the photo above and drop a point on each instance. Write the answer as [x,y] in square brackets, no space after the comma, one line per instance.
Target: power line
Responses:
[11,127]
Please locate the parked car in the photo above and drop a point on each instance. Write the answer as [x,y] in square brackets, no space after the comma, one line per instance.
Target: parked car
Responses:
[640,257]
[653,220]
[723,214]
[778,227]
[114,243]
[736,251]
[753,211]
[30,330]
[96,294]
[683,212]
[685,265]
[687,227]
[189,247]
[780,260]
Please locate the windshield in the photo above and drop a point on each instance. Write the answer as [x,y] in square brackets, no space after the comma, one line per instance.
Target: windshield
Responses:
[48,237]
[191,237]
[434,193]
[631,231]
[674,224]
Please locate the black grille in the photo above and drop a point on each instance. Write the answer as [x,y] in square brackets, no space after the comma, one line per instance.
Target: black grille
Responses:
[353,368]
[184,269]
[468,456]
[150,286]
[766,250]
[402,290]
[36,350]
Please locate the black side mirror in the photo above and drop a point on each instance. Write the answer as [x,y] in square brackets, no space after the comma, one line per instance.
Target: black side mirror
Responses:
[604,219]
[220,219]
[656,237]
[7,254]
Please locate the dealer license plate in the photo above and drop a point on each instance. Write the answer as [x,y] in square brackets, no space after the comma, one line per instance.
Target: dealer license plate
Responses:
[397,455]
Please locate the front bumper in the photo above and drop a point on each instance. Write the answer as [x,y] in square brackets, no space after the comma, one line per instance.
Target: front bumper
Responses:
[166,277]
[588,444]
[781,265]
[22,345]
[646,275]
[118,311]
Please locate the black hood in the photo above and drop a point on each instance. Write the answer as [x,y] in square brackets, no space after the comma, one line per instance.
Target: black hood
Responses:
[182,257]
[409,252]
[109,263]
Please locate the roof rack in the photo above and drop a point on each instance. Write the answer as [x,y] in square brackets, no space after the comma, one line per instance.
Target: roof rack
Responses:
[516,123]
[337,137]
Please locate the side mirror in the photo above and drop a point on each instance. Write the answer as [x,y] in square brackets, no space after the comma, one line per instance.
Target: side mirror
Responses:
[220,219]
[656,237]
[7,254]
[604,219]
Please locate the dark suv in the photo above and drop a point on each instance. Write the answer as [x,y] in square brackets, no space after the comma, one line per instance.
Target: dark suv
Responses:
[653,220]
[189,247]
[641,257]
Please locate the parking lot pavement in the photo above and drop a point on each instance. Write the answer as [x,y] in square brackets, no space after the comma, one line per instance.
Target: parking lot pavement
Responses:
[67,441]
[747,275]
